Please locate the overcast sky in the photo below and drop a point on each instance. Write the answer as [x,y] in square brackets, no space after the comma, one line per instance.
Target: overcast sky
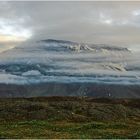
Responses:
[93,22]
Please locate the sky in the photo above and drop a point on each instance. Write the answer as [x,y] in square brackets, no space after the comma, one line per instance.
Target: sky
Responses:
[116,23]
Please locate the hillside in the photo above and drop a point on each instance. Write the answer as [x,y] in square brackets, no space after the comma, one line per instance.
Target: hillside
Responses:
[69,117]
[70,89]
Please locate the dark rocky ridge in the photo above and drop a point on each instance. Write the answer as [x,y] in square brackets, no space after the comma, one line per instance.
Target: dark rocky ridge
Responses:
[85,46]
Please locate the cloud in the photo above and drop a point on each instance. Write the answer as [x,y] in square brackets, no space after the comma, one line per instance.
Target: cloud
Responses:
[136,13]
[94,22]
[13,29]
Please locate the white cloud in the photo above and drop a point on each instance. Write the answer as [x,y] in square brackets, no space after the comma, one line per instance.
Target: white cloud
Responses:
[14,29]
[136,13]
[105,19]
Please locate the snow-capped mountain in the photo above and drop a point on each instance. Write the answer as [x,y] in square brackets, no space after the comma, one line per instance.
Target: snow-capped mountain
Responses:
[65,61]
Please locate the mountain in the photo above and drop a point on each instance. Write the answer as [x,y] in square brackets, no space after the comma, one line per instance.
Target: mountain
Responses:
[57,67]
[66,62]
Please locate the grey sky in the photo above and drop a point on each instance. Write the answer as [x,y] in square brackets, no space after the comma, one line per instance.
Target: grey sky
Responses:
[94,22]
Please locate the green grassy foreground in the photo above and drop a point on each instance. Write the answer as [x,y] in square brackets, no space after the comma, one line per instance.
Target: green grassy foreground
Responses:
[69,117]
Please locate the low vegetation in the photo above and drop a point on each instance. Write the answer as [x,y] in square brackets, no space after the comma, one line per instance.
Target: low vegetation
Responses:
[69,117]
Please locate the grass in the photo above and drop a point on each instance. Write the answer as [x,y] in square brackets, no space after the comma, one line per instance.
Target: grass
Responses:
[69,117]
[46,129]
